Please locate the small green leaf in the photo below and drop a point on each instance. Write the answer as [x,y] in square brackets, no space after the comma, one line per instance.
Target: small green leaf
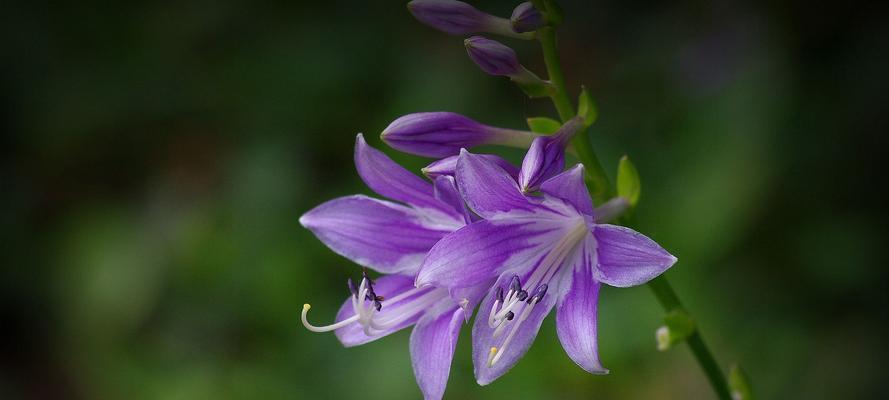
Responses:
[544,125]
[678,327]
[680,324]
[628,185]
[739,383]
[586,108]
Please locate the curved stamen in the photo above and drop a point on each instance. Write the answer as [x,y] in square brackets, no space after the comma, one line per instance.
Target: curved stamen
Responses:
[326,328]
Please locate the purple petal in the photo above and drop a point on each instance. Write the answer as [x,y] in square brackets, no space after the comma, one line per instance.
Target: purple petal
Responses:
[628,258]
[481,250]
[448,166]
[386,286]
[447,193]
[432,348]
[389,179]
[483,340]
[569,186]
[576,315]
[385,236]
[487,188]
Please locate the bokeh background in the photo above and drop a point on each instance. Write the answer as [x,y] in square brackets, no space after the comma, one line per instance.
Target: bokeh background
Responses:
[159,155]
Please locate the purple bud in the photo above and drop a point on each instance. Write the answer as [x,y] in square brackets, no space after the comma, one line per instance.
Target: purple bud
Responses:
[442,134]
[526,18]
[448,165]
[450,16]
[492,56]
[546,156]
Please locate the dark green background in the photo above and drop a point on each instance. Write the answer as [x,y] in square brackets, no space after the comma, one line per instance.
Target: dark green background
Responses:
[159,155]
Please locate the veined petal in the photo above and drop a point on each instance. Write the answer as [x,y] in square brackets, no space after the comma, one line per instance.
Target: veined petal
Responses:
[387,286]
[569,187]
[382,235]
[483,340]
[577,312]
[487,188]
[389,179]
[480,251]
[628,258]
[432,348]
[447,193]
[448,166]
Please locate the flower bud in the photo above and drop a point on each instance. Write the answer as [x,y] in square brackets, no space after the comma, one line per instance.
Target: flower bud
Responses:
[493,57]
[458,18]
[497,59]
[442,134]
[526,18]
[546,156]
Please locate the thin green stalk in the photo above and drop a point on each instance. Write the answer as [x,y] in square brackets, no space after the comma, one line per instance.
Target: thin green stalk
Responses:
[601,190]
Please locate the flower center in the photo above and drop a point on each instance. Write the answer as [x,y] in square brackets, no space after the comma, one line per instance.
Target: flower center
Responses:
[368,306]
[511,310]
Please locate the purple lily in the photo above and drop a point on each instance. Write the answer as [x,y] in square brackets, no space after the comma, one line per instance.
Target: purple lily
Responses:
[393,238]
[543,251]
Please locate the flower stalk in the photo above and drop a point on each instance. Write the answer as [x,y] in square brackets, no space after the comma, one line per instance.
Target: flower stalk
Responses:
[601,190]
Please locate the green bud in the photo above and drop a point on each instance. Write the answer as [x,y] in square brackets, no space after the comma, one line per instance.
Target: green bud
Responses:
[543,125]
[628,185]
[739,383]
[586,108]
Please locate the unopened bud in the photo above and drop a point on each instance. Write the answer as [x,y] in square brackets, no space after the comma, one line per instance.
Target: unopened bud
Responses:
[526,18]
[442,134]
[495,58]
[546,156]
[458,18]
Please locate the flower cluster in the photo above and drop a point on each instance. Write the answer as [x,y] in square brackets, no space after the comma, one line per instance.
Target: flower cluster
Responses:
[513,242]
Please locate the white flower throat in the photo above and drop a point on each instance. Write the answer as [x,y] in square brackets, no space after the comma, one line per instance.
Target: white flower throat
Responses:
[512,309]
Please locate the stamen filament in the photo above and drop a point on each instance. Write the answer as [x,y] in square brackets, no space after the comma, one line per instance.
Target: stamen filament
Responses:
[326,328]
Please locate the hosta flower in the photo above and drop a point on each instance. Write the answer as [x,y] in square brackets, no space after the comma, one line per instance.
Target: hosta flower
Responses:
[546,156]
[393,238]
[526,18]
[544,251]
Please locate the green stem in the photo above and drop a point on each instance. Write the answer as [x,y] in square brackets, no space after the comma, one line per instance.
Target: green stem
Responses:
[670,301]
[601,190]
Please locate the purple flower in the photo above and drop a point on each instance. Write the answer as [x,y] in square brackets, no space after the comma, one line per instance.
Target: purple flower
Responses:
[543,251]
[458,18]
[442,134]
[492,56]
[526,18]
[393,238]
[546,156]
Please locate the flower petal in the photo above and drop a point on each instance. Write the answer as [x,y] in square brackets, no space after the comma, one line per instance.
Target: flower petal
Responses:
[481,250]
[543,160]
[576,315]
[448,166]
[386,286]
[447,193]
[483,340]
[432,348]
[569,186]
[487,188]
[628,258]
[391,180]
[378,234]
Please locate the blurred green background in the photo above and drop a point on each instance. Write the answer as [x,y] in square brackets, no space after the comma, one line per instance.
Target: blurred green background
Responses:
[160,154]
